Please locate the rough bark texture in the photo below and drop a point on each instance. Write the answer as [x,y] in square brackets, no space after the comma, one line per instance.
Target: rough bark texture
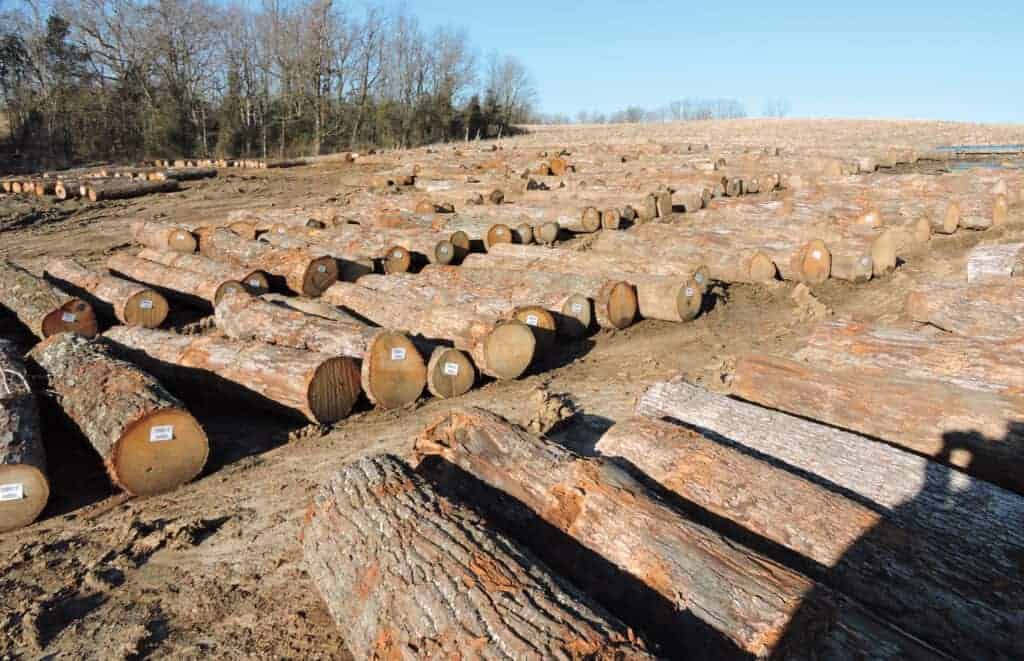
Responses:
[120,409]
[303,273]
[42,308]
[981,432]
[115,190]
[123,300]
[995,262]
[24,488]
[409,574]
[503,349]
[318,387]
[697,593]
[255,281]
[932,589]
[918,354]
[160,236]
[986,311]
[393,373]
[198,289]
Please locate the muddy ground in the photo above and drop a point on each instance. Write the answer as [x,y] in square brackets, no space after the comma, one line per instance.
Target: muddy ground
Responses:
[214,569]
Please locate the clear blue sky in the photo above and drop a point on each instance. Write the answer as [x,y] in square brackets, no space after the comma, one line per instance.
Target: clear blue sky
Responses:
[934,60]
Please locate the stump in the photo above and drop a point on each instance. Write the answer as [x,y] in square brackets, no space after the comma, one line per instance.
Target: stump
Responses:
[403,569]
[41,308]
[121,300]
[24,487]
[148,441]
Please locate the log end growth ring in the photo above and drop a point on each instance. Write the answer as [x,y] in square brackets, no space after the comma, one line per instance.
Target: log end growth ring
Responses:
[689,299]
[24,490]
[228,287]
[333,390]
[622,305]
[450,373]
[397,260]
[546,233]
[321,273]
[578,313]
[815,262]
[159,452]
[146,308]
[498,233]
[74,316]
[256,283]
[509,349]
[182,241]
[541,322]
[590,220]
[444,252]
[393,373]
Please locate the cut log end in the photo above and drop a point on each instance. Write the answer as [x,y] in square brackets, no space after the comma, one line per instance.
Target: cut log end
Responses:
[546,233]
[498,233]
[397,260]
[590,220]
[333,390]
[883,253]
[450,373]
[146,308]
[74,316]
[689,300]
[611,219]
[762,268]
[393,373]
[321,274]
[158,452]
[523,234]
[462,243]
[509,349]
[26,490]
[182,241]
[578,315]
[228,287]
[622,305]
[815,262]
[444,252]
[541,322]
[256,283]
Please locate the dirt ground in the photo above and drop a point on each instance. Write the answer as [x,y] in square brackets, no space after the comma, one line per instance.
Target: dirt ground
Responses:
[214,569]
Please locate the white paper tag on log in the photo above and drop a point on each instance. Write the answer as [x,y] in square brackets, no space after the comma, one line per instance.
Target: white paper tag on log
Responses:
[451,369]
[443,250]
[146,304]
[397,353]
[161,433]
[11,492]
[699,277]
[499,231]
[531,320]
[577,307]
[68,318]
[816,254]
[689,292]
[322,268]
[396,255]
[254,283]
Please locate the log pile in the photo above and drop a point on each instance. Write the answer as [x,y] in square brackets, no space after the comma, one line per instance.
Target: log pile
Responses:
[119,300]
[24,487]
[42,308]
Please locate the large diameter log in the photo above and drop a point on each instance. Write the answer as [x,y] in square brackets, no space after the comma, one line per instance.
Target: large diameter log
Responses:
[161,236]
[995,262]
[615,301]
[24,488]
[932,590]
[318,387]
[256,281]
[123,300]
[303,272]
[926,416]
[392,370]
[407,573]
[987,311]
[450,372]
[148,441]
[502,349]
[116,190]
[694,591]
[958,360]
[42,308]
[196,289]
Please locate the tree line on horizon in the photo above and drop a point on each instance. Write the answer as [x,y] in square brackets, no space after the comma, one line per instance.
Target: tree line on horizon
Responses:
[689,109]
[129,79]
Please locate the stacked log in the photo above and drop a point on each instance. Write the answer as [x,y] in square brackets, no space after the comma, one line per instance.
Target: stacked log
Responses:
[303,272]
[24,487]
[686,586]
[502,349]
[255,281]
[429,575]
[987,311]
[850,542]
[392,370]
[190,287]
[182,174]
[117,190]
[65,189]
[318,387]
[42,308]
[161,236]
[929,417]
[148,441]
[996,262]
[118,299]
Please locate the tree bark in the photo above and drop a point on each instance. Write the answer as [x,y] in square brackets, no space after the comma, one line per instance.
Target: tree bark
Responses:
[24,487]
[502,349]
[160,236]
[933,589]
[989,311]
[997,263]
[694,591]
[303,273]
[148,441]
[121,300]
[255,281]
[392,370]
[408,574]
[981,432]
[196,289]
[42,308]
[318,387]
[121,189]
